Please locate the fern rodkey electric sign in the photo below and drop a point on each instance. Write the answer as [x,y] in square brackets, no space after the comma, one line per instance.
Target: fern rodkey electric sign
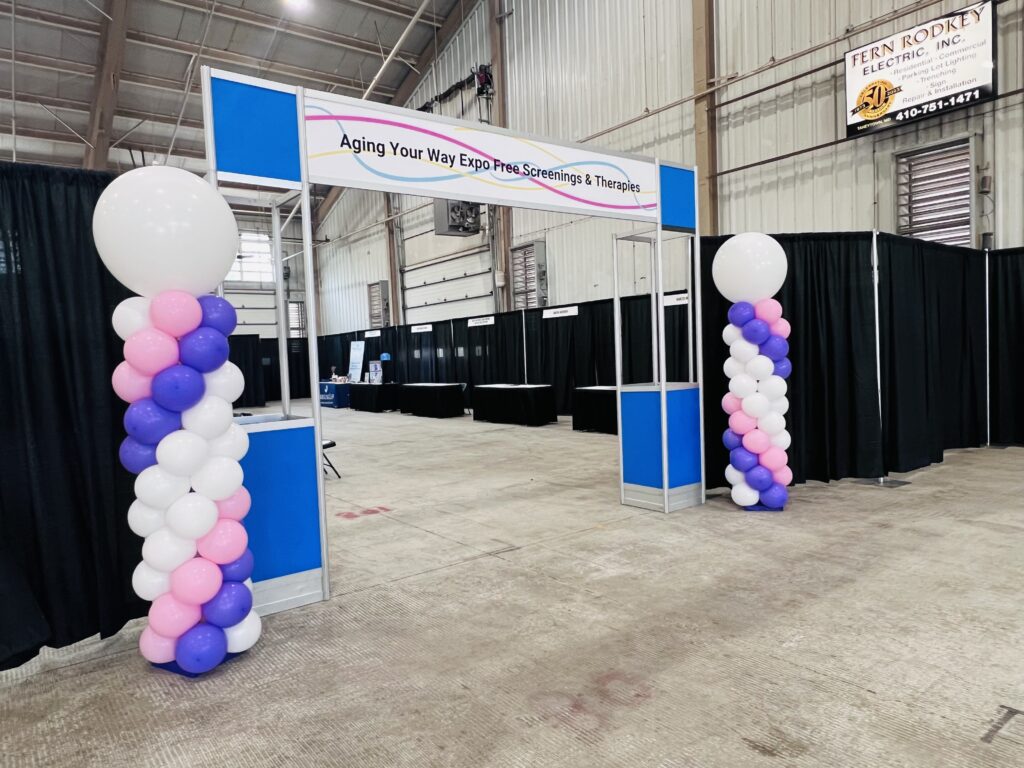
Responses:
[927,70]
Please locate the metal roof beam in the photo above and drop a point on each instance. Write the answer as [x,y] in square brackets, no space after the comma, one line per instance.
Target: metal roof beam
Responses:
[108,76]
[84,107]
[429,54]
[67,138]
[397,9]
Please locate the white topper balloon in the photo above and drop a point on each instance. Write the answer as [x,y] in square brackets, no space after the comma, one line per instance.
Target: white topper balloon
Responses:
[749,267]
[160,228]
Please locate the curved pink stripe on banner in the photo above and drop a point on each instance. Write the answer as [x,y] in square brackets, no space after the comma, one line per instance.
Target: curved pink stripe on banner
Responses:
[396,124]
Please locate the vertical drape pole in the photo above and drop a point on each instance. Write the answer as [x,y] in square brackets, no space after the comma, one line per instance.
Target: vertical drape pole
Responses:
[652,269]
[526,375]
[689,309]
[663,392]
[282,311]
[878,342]
[617,337]
[311,327]
[988,362]
[698,332]
[211,147]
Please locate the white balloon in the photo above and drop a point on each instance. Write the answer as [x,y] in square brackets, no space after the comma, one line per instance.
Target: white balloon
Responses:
[208,418]
[772,423]
[149,583]
[743,350]
[192,516]
[780,405]
[182,452]
[744,495]
[733,475]
[227,382]
[218,478]
[130,315]
[731,333]
[243,635]
[742,386]
[756,405]
[164,550]
[234,444]
[772,387]
[143,519]
[160,228]
[732,367]
[156,487]
[782,439]
[760,367]
[749,267]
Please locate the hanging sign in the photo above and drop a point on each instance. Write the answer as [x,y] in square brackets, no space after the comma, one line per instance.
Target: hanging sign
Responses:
[676,299]
[422,328]
[355,143]
[561,312]
[933,68]
[372,334]
[476,322]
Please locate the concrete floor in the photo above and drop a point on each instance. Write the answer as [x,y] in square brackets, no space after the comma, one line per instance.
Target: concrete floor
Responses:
[494,606]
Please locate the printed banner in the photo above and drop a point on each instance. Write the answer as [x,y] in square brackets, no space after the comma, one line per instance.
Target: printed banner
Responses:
[352,143]
[927,70]
[475,322]
[572,311]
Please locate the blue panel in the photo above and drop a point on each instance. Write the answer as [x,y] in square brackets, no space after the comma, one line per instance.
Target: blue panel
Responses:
[255,130]
[678,199]
[641,437]
[334,395]
[284,522]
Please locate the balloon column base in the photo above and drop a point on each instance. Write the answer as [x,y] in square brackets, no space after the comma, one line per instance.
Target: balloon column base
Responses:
[173,666]
[763,508]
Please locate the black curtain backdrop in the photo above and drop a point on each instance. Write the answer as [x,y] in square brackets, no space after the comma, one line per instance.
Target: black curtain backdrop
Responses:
[1006,338]
[246,353]
[833,394]
[931,302]
[66,552]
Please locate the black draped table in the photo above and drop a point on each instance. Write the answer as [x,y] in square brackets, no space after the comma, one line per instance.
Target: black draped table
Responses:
[374,398]
[593,410]
[439,401]
[532,405]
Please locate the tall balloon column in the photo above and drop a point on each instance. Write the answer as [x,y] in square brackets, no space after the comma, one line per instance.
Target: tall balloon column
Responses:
[748,270]
[171,238]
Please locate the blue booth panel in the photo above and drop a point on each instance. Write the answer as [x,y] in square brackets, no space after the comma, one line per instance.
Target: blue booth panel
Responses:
[334,395]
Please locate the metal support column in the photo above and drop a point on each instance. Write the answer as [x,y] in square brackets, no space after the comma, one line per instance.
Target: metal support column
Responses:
[526,373]
[878,330]
[988,361]
[659,333]
[282,310]
[617,333]
[698,334]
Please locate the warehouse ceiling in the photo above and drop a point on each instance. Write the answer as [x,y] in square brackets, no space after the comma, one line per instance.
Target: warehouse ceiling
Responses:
[63,47]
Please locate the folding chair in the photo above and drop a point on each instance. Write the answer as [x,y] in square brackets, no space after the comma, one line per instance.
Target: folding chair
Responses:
[327,462]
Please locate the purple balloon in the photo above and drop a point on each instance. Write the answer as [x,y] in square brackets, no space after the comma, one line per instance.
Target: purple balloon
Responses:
[783,367]
[775,497]
[731,440]
[218,313]
[759,478]
[205,349]
[149,422]
[756,331]
[229,606]
[775,347]
[136,456]
[201,649]
[178,388]
[741,313]
[240,569]
[742,459]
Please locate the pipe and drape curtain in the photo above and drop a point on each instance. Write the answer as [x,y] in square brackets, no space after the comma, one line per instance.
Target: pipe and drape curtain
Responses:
[66,552]
[1006,345]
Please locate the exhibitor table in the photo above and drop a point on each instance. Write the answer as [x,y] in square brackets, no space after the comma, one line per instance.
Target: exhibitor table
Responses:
[374,398]
[439,401]
[593,410]
[532,405]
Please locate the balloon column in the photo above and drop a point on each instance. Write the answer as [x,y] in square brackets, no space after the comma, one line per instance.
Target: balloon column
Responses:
[170,237]
[748,270]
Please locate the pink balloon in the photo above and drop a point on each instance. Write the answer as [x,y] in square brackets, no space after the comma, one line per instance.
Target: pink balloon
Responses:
[768,310]
[741,423]
[781,327]
[757,441]
[236,506]
[731,403]
[196,581]
[774,458]
[225,543]
[170,617]
[783,476]
[175,312]
[149,351]
[156,648]
[129,384]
